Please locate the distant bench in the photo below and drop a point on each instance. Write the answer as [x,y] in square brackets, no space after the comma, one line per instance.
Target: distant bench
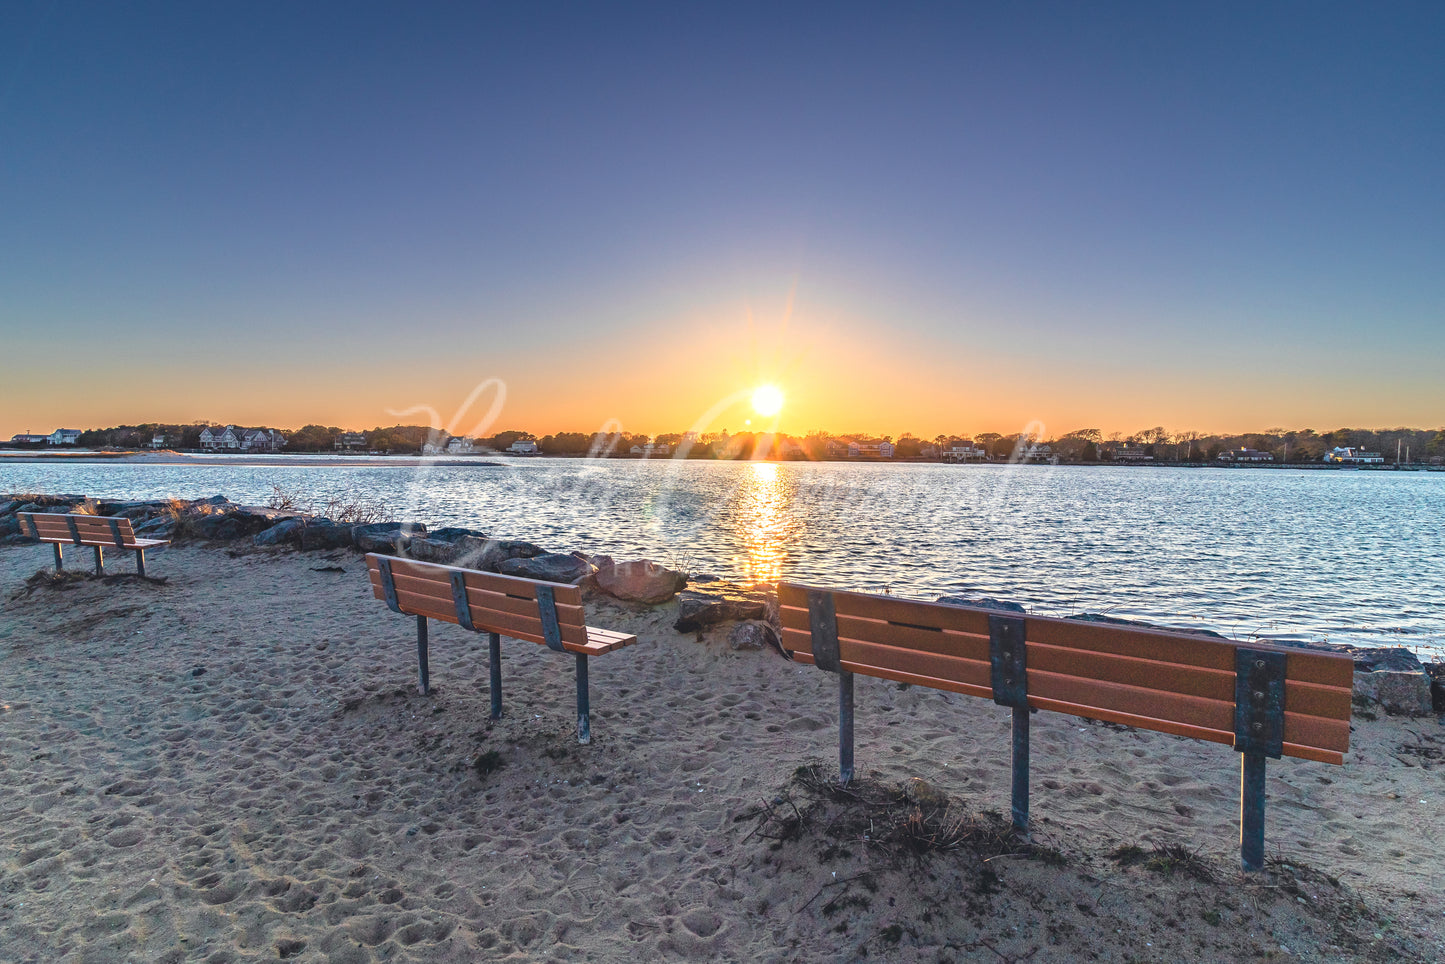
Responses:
[96,531]
[1265,701]
[541,612]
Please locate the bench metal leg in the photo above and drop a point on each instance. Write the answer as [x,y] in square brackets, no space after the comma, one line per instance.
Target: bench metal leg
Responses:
[494,660]
[845,727]
[584,707]
[1251,810]
[140,562]
[59,558]
[421,665]
[1021,769]
[99,561]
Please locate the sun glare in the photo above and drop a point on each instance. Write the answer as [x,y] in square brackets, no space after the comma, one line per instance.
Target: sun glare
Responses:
[768,400]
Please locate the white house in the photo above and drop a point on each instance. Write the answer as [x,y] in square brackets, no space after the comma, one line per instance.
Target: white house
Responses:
[870,450]
[158,441]
[263,440]
[524,446]
[27,439]
[459,445]
[963,451]
[221,438]
[64,436]
[233,439]
[1350,455]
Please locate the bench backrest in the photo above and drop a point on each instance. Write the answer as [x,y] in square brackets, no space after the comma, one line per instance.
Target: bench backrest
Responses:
[1172,682]
[483,601]
[86,530]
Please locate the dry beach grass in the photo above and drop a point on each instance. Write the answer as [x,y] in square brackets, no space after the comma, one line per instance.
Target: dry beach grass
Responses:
[233,764]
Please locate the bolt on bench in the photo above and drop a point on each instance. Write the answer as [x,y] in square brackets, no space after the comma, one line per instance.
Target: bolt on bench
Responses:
[99,532]
[541,612]
[1265,701]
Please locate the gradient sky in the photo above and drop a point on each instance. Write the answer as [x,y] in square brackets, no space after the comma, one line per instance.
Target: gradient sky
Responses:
[928,218]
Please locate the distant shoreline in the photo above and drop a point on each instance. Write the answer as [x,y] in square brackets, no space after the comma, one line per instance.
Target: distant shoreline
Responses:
[321,459]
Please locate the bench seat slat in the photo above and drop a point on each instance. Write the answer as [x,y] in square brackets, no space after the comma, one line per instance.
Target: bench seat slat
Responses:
[597,642]
[507,585]
[483,601]
[898,676]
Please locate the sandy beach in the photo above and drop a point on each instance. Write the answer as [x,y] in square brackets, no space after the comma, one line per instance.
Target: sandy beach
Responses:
[234,764]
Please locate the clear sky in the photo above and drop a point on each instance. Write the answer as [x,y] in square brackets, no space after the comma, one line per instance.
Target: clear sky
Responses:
[929,218]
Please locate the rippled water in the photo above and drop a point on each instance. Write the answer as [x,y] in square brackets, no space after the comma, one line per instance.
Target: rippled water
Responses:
[1327,556]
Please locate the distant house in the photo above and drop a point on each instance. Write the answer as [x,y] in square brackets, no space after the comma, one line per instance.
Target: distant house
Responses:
[263,440]
[29,439]
[349,441]
[524,446]
[158,441]
[1132,453]
[836,448]
[460,445]
[1245,455]
[963,450]
[220,439]
[64,436]
[234,439]
[870,450]
[1350,455]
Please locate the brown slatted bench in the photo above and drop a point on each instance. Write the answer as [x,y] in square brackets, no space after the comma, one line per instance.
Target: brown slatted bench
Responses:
[100,532]
[541,612]
[1265,701]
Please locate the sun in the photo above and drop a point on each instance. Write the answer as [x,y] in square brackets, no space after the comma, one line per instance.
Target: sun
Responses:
[768,400]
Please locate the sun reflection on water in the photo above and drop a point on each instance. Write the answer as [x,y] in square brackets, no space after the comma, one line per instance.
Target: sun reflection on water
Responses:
[764,521]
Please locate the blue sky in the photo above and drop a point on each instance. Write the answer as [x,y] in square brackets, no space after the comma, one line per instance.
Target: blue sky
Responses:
[925,217]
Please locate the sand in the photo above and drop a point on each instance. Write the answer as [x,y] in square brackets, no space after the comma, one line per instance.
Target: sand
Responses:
[235,765]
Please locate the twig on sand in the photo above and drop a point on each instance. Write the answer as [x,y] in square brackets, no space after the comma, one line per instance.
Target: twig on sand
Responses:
[832,883]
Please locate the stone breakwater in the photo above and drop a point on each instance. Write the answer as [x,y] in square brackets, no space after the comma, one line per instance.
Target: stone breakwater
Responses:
[1390,679]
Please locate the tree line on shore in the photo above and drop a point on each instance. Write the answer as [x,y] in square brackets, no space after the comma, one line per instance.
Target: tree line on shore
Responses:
[1083,445]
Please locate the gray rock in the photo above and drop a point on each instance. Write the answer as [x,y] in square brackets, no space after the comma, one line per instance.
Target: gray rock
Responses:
[498,551]
[982,602]
[131,509]
[9,525]
[640,581]
[6,508]
[218,526]
[455,534]
[754,634]
[549,567]
[323,534]
[1116,621]
[1396,659]
[1397,693]
[282,533]
[432,549]
[468,551]
[388,538]
[720,602]
[158,528]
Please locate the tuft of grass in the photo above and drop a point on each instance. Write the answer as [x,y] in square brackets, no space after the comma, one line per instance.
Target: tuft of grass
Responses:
[1170,859]
[488,762]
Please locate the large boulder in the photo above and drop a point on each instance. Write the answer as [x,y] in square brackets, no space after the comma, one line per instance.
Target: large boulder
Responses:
[455,534]
[160,527]
[1395,692]
[548,567]
[982,602]
[641,581]
[496,552]
[9,506]
[321,533]
[754,634]
[1117,621]
[720,602]
[282,533]
[132,510]
[388,538]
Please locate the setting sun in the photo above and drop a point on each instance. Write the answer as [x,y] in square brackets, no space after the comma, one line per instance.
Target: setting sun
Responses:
[768,400]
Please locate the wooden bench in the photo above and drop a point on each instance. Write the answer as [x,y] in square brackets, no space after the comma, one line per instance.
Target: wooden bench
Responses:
[100,532]
[1265,701]
[541,612]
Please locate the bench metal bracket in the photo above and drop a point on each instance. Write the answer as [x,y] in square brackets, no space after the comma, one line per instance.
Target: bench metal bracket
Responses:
[115,533]
[459,599]
[74,532]
[1006,656]
[27,526]
[547,610]
[823,624]
[388,585]
[1259,702]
